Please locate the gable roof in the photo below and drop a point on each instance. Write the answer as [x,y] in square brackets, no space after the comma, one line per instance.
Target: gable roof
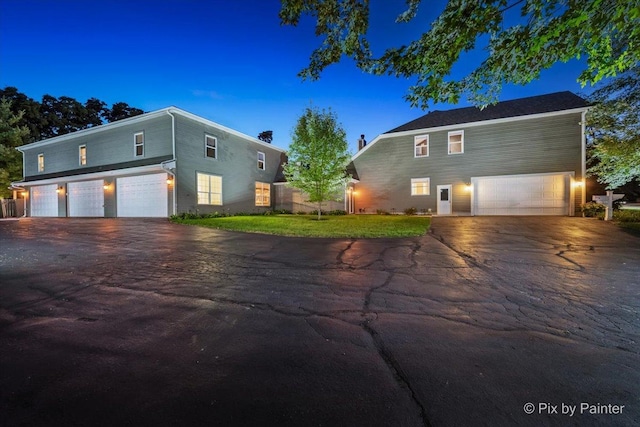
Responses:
[558,101]
[140,118]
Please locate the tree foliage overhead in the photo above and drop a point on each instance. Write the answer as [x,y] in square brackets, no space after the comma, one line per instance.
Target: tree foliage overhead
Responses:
[318,156]
[613,130]
[517,47]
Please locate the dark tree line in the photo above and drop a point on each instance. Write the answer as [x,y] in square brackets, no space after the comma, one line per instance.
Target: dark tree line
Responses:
[58,116]
[24,120]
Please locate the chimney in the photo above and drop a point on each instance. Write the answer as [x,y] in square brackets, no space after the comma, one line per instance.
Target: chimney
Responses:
[361,142]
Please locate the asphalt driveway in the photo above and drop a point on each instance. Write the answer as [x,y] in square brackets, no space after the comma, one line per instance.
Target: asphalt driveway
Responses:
[143,322]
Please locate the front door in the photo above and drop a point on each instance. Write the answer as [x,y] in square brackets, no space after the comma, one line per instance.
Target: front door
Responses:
[444,199]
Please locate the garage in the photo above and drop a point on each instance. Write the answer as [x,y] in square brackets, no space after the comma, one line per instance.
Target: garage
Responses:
[142,196]
[539,194]
[44,200]
[86,198]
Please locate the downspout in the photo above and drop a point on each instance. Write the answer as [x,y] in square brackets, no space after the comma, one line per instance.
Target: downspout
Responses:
[583,187]
[164,164]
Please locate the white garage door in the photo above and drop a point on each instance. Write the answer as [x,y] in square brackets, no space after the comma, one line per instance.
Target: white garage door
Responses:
[86,198]
[44,200]
[142,196]
[544,194]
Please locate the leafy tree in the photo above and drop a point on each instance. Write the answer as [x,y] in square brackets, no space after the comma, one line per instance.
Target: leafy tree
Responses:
[266,136]
[613,130]
[517,46]
[318,156]
[121,110]
[12,135]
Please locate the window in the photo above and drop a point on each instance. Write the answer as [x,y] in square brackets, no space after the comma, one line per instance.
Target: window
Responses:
[209,189]
[138,144]
[420,186]
[210,146]
[40,162]
[82,155]
[456,142]
[263,194]
[261,160]
[421,146]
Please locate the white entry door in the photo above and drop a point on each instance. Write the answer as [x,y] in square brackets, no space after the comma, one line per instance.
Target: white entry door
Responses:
[444,199]
[142,196]
[44,200]
[86,198]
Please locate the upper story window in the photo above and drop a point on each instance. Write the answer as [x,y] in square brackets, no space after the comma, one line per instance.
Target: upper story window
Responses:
[40,162]
[210,146]
[456,142]
[263,194]
[82,155]
[138,143]
[209,189]
[420,186]
[421,146]
[261,160]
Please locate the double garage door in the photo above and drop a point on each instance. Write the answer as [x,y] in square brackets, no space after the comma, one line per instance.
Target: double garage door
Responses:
[543,194]
[136,196]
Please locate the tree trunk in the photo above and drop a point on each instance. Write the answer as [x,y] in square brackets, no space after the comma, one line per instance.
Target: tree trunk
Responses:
[319,210]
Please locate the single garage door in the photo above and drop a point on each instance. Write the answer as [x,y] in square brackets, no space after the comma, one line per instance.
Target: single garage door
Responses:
[142,196]
[543,194]
[44,200]
[86,198]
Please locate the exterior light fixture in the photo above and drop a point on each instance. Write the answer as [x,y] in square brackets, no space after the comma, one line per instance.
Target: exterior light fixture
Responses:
[169,181]
[105,186]
[468,187]
[25,193]
[577,184]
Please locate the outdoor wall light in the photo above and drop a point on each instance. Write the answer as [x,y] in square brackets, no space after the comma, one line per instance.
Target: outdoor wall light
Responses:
[169,181]
[577,184]
[25,193]
[468,187]
[106,186]
[60,190]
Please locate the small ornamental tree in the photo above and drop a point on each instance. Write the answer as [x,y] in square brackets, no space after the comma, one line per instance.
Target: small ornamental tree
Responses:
[318,157]
[613,130]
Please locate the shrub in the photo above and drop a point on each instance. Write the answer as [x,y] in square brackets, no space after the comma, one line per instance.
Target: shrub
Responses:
[593,209]
[382,212]
[627,215]
[410,211]
[337,212]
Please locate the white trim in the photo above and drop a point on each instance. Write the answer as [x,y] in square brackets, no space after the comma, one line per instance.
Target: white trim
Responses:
[135,144]
[207,146]
[80,147]
[455,132]
[264,161]
[141,118]
[468,125]
[425,180]
[415,144]
[40,165]
[95,175]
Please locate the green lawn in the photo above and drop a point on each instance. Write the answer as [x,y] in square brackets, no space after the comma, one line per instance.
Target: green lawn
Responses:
[360,226]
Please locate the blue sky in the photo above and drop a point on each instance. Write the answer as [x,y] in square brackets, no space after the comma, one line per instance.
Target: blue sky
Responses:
[228,61]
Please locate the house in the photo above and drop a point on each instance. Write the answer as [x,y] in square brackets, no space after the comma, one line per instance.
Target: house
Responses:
[519,157]
[153,165]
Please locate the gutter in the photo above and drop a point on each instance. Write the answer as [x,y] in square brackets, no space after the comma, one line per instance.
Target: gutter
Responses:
[170,165]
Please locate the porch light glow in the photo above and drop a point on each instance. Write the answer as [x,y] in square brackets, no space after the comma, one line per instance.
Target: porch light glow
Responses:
[169,181]
[577,184]
[106,186]
[468,188]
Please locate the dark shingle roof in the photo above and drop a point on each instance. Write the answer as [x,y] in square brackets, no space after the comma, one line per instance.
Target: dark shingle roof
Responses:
[517,107]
